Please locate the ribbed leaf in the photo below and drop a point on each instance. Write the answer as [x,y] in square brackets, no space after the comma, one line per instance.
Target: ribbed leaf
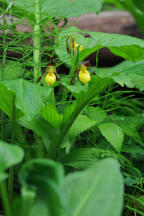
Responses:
[50,114]
[127,73]
[113,133]
[130,126]
[95,113]
[96,191]
[30,98]
[81,124]
[50,8]
[12,70]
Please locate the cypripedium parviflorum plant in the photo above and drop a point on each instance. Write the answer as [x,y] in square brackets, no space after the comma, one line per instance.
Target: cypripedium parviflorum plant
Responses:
[60,114]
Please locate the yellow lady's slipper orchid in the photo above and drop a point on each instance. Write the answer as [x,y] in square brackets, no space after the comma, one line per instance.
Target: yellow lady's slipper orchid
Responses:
[84,75]
[75,46]
[50,78]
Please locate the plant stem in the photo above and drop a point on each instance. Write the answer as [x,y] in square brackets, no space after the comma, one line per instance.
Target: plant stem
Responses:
[11,170]
[36,41]
[5,200]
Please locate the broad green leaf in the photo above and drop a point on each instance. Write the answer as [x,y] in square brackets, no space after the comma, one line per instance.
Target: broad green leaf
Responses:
[46,176]
[50,8]
[68,111]
[113,133]
[81,124]
[30,98]
[50,114]
[7,102]
[12,70]
[70,8]
[96,113]
[95,191]
[127,73]
[10,155]
[125,46]
[41,127]
[130,126]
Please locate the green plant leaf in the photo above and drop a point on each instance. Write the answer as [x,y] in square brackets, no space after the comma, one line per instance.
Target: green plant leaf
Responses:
[41,127]
[113,133]
[130,126]
[96,113]
[81,124]
[127,73]
[95,192]
[50,114]
[46,176]
[12,70]
[70,8]
[125,46]
[6,100]
[49,8]
[30,98]
[10,155]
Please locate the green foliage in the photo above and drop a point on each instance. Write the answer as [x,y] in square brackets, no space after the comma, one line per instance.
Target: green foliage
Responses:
[81,193]
[49,8]
[125,46]
[10,155]
[113,133]
[127,73]
[13,70]
[81,124]
[74,124]
[89,192]
[45,176]
[6,100]
[29,97]
[50,114]
[96,113]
